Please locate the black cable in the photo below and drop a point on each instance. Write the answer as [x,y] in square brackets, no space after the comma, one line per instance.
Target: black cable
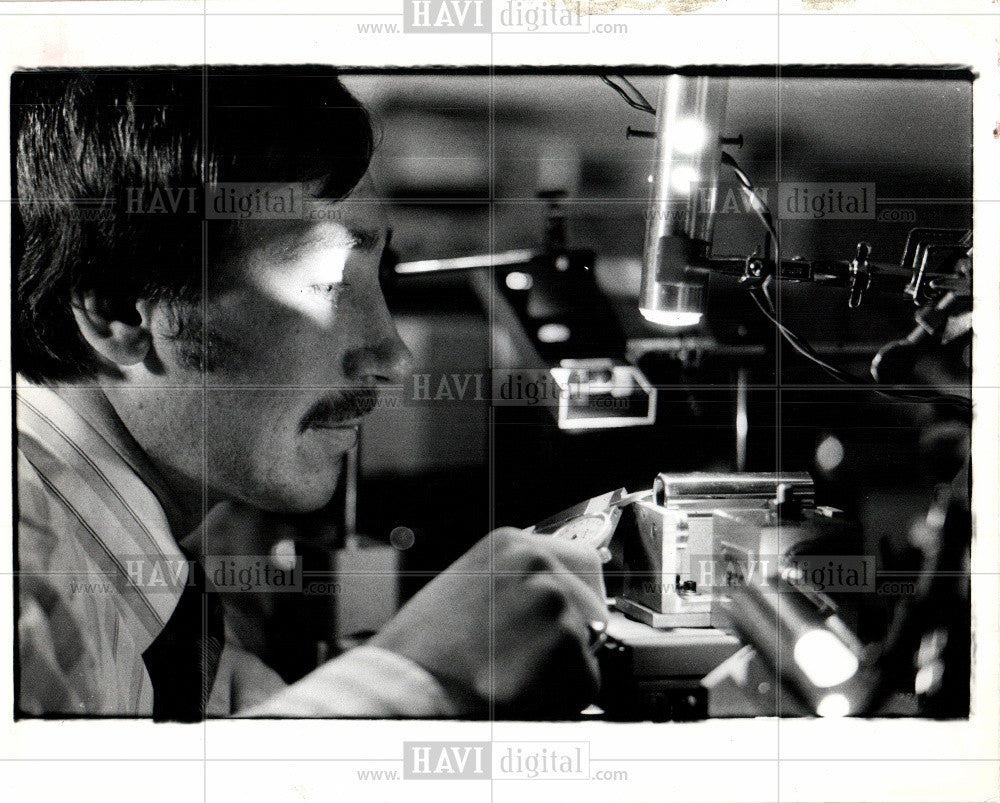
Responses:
[802,347]
[756,202]
[638,94]
[640,103]
[762,299]
[796,342]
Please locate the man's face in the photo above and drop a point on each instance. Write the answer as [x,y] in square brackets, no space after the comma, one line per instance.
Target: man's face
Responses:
[297,343]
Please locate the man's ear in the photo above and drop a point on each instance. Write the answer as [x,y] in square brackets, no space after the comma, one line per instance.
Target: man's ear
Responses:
[117,330]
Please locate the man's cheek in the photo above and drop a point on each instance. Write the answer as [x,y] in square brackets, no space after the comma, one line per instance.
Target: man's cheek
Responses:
[196,354]
[270,358]
[254,424]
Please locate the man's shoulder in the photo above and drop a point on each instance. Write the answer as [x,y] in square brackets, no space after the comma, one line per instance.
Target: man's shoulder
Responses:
[55,566]
[91,534]
[81,627]
[71,479]
[50,526]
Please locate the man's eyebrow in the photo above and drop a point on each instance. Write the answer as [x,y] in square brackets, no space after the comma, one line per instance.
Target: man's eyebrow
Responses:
[353,237]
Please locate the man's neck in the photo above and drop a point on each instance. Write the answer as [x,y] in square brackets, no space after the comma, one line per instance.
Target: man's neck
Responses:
[95,408]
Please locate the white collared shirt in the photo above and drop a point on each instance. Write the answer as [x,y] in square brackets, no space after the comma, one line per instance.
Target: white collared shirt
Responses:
[88,528]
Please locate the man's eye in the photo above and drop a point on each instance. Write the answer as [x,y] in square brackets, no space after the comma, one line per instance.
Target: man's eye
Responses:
[329,290]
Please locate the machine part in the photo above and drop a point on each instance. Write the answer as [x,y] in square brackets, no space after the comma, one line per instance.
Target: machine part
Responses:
[745,686]
[549,319]
[682,203]
[679,490]
[594,530]
[742,422]
[938,325]
[592,390]
[772,597]
[657,560]
[859,275]
[366,592]
[476,262]
[592,522]
[783,538]
[684,609]
[649,674]
[805,645]
[668,541]
[930,255]
[597,394]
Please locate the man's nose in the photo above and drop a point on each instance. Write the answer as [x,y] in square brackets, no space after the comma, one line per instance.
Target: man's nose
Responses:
[385,361]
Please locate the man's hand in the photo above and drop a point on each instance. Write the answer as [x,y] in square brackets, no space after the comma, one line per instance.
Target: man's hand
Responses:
[508,623]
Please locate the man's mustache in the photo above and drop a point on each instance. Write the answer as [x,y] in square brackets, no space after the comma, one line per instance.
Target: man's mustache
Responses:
[344,406]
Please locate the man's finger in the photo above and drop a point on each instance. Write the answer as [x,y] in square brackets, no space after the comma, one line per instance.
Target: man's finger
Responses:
[578,560]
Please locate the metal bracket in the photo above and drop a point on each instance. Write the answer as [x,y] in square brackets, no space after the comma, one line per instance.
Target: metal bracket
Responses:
[859,275]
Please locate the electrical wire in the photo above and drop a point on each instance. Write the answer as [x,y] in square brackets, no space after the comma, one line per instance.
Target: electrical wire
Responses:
[638,102]
[757,203]
[762,299]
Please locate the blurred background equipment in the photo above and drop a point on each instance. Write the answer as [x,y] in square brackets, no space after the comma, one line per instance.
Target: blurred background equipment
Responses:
[557,341]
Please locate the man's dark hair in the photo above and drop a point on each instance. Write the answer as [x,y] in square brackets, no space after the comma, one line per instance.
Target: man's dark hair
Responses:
[87,142]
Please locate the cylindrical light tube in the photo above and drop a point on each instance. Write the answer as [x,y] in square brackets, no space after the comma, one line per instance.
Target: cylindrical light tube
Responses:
[681,211]
[810,649]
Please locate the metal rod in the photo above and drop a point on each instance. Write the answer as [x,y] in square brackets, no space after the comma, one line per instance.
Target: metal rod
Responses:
[352,470]
[835,272]
[475,262]
[742,420]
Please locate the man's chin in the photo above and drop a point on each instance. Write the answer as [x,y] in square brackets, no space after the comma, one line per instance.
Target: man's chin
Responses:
[304,500]
[307,493]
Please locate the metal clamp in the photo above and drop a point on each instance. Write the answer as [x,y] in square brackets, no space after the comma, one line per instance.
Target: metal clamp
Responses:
[860,275]
[755,271]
